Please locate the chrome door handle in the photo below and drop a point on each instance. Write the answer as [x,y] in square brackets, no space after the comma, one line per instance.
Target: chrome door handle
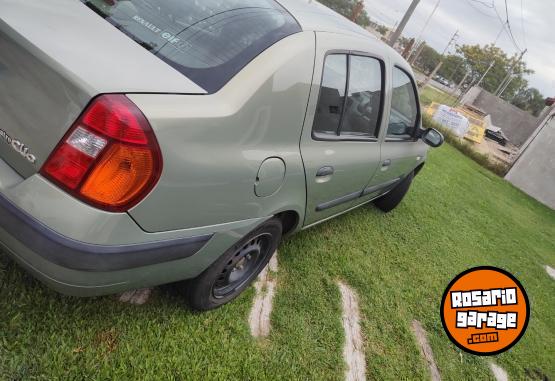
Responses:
[325,171]
[386,163]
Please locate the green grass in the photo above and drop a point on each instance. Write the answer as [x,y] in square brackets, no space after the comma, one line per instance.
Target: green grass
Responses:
[457,215]
[430,94]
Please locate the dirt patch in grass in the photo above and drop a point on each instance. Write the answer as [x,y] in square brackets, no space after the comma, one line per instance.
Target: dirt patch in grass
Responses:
[425,349]
[265,286]
[353,352]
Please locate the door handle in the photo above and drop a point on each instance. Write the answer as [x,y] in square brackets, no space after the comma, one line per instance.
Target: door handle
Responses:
[325,171]
[386,163]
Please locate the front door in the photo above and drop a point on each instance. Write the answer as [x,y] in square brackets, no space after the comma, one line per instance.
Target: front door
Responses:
[402,151]
[339,146]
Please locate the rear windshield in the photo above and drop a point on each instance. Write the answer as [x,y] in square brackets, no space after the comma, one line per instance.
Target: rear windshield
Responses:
[209,41]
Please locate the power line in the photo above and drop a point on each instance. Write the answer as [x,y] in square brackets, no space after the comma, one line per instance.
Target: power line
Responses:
[522,22]
[507,80]
[428,20]
[488,5]
[505,23]
[478,9]
[509,33]
[509,25]
[451,41]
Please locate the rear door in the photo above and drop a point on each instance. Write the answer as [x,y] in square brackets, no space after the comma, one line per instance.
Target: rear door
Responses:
[339,145]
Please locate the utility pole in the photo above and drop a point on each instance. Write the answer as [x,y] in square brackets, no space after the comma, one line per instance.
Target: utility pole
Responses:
[506,86]
[453,39]
[490,66]
[454,92]
[508,78]
[417,53]
[486,73]
[395,36]
[434,72]
[408,48]
[428,21]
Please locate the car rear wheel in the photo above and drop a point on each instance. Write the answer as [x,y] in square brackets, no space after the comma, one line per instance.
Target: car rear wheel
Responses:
[391,200]
[234,271]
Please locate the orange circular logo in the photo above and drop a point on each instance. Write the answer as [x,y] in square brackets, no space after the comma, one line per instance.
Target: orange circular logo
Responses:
[485,311]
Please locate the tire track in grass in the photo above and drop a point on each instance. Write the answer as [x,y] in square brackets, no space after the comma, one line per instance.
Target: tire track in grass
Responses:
[353,352]
[498,372]
[551,271]
[425,349]
[265,285]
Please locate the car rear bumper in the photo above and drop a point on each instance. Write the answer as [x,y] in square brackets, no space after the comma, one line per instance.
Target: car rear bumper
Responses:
[76,255]
[79,250]
[77,268]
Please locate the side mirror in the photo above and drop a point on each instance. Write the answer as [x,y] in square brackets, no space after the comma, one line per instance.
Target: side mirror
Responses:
[432,137]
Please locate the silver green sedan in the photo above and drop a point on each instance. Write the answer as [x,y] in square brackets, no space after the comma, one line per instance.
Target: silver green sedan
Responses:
[144,142]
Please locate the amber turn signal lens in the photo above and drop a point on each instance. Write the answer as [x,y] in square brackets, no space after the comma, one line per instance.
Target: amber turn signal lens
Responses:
[123,172]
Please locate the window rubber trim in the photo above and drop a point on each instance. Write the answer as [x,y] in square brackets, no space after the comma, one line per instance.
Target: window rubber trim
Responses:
[418,123]
[318,136]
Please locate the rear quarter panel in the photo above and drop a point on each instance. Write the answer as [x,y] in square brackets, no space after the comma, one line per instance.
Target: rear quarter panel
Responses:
[213,145]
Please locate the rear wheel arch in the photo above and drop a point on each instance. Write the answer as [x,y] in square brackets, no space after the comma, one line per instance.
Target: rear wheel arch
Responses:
[290,221]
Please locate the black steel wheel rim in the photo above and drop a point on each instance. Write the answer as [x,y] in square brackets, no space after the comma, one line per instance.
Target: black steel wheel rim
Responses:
[245,262]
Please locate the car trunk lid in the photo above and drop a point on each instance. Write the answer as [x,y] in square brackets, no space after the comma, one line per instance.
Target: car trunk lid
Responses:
[57,56]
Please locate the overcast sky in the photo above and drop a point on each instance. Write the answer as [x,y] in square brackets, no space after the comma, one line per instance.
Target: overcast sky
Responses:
[478,24]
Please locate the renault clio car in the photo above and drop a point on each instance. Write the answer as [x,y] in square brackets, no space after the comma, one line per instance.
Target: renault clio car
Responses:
[145,142]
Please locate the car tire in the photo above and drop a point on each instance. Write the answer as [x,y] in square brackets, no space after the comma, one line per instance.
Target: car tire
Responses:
[391,200]
[236,269]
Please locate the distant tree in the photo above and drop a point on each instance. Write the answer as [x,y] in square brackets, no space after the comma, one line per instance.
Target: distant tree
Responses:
[454,68]
[349,8]
[479,58]
[530,100]
[381,29]
[428,59]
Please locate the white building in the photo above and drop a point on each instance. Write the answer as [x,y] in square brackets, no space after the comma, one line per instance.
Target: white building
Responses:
[534,170]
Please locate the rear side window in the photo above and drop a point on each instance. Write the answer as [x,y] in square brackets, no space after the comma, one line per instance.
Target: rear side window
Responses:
[332,95]
[208,41]
[404,115]
[349,108]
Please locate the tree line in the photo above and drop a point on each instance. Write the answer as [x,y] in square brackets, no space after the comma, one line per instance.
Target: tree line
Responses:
[471,59]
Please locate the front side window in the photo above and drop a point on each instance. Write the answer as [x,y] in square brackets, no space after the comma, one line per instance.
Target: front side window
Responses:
[404,115]
[208,41]
[349,108]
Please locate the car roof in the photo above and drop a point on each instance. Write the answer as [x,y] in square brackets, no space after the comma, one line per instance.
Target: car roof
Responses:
[313,16]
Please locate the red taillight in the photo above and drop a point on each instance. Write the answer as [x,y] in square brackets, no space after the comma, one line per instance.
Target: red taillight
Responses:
[109,158]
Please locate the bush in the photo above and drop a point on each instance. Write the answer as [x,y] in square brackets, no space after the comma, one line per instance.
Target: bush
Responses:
[466,148]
